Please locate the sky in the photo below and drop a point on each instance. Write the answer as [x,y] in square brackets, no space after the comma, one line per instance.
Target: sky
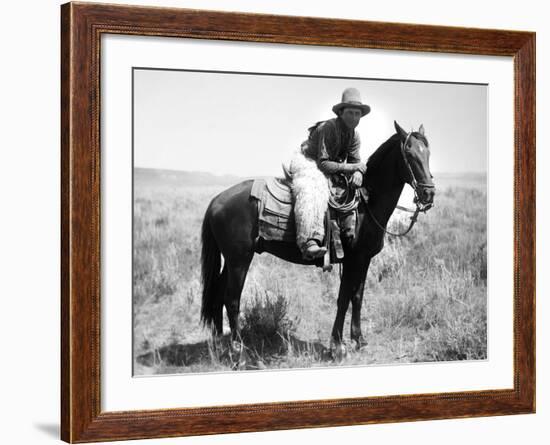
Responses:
[248,124]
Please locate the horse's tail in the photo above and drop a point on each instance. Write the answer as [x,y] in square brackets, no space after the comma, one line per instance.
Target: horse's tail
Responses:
[210,273]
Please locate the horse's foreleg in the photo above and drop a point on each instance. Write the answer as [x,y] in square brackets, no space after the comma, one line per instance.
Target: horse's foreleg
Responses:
[342,308]
[236,275]
[356,304]
[351,289]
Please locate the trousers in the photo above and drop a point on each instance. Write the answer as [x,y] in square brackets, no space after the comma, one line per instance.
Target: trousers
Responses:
[311,194]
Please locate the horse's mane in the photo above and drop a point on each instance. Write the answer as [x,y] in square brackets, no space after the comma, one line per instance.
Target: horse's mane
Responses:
[379,155]
[376,158]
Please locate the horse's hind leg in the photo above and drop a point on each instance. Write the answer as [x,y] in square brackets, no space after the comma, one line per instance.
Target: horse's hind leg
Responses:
[235,278]
[351,289]
[218,316]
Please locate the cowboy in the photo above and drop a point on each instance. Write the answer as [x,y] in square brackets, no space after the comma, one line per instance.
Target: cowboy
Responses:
[331,148]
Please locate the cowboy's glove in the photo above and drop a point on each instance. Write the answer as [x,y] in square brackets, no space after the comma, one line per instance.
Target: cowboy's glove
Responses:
[357,179]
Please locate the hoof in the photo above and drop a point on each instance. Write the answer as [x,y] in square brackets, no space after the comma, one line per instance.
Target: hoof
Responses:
[238,355]
[239,365]
[339,352]
[359,344]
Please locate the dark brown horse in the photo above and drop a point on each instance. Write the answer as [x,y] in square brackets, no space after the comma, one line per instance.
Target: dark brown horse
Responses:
[230,228]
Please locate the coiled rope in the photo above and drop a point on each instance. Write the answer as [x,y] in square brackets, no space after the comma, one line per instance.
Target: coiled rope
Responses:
[346,202]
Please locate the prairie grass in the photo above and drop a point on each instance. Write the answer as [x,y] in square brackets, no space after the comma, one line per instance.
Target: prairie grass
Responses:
[425,297]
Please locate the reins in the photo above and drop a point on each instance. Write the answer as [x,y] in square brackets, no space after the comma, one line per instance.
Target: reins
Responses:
[420,208]
[412,223]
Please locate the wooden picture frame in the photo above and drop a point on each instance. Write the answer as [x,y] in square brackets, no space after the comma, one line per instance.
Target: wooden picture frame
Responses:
[82,25]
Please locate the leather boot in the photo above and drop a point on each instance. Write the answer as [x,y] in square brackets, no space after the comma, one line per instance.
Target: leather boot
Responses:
[313,250]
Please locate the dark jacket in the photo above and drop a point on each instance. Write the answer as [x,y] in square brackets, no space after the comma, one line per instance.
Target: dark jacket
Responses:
[332,145]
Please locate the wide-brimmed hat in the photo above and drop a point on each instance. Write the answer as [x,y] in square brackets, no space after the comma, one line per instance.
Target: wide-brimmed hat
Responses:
[351,98]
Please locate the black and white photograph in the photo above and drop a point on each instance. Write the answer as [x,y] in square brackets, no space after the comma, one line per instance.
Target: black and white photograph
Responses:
[288,221]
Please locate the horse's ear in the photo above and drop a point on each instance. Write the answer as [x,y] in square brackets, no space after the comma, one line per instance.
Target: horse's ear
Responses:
[421,130]
[402,133]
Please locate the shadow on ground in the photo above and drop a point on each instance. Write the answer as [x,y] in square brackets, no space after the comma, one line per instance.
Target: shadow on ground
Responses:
[259,353]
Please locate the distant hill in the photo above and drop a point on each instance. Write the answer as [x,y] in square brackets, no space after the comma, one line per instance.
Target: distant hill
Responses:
[144,176]
[444,180]
[174,178]
[482,176]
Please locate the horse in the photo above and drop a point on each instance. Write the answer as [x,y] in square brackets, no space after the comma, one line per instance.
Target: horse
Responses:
[230,228]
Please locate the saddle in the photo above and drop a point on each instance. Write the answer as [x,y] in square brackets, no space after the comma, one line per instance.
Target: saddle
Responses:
[275,209]
[276,216]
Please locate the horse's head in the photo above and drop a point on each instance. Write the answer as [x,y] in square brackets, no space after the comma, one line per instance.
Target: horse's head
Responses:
[416,164]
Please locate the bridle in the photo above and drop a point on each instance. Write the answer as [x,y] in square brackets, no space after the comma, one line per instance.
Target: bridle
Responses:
[414,183]
[420,207]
